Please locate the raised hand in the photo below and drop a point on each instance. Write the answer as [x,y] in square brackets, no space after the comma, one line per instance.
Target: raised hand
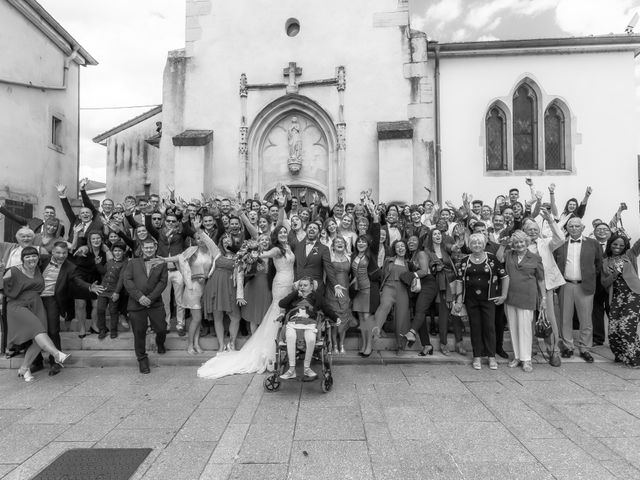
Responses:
[552,188]
[528,181]
[324,202]
[340,197]
[172,189]
[83,183]
[197,222]
[589,191]
[302,194]
[62,190]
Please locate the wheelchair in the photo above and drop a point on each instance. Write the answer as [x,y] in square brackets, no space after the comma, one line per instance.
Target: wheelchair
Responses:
[321,353]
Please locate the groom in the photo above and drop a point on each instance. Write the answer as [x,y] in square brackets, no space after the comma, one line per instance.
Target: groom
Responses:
[313,259]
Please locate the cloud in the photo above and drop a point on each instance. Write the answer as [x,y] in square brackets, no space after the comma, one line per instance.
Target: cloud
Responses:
[594,17]
[486,38]
[444,11]
[493,25]
[482,13]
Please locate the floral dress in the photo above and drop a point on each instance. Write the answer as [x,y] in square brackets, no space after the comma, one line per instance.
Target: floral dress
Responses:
[624,339]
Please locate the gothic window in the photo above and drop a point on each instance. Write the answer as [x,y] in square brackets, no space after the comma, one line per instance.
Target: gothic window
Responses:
[496,132]
[525,155]
[554,140]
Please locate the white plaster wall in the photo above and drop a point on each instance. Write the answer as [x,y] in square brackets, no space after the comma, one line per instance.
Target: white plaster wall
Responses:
[29,168]
[131,162]
[248,36]
[600,91]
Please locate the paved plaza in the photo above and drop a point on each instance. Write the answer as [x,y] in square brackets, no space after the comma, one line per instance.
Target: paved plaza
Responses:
[393,421]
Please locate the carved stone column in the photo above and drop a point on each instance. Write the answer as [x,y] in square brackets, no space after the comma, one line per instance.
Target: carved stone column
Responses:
[243,152]
[341,128]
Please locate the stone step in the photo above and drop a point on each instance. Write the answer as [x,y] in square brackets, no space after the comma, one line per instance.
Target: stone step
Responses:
[126,358]
[70,341]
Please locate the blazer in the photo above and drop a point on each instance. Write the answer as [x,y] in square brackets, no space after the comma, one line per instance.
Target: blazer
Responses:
[590,262]
[69,274]
[629,270]
[317,263]
[96,224]
[138,284]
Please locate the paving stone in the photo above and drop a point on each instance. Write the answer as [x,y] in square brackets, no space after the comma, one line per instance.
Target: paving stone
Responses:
[627,400]
[276,410]
[371,408]
[558,391]
[259,472]
[481,441]
[620,370]
[421,459]
[26,396]
[394,395]
[224,396]
[592,446]
[180,461]
[369,374]
[341,395]
[216,471]
[42,458]
[96,424]
[267,443]
[565,460]
[409,423]
[602,420]
[9,416]
[628,448]
[380,443]
[5,468]
[456,408]
[621,469]
[206,425]
[437,385]
[329,423]
[511,471]
[20,441]
[230,443]
[335,459]
[157,438]
[64,409]
[170,414]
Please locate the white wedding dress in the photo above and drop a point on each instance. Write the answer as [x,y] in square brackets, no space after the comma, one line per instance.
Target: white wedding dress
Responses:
[258,354]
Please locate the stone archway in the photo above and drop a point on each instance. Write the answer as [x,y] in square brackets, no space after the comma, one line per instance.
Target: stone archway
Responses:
[293,141]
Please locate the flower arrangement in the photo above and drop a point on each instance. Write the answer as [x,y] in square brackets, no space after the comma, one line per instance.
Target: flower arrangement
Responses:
[248,255]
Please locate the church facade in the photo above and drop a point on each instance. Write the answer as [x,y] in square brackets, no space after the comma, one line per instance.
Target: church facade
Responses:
[340,97]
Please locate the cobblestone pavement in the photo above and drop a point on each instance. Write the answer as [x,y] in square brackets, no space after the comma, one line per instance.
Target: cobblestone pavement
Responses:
[379,422]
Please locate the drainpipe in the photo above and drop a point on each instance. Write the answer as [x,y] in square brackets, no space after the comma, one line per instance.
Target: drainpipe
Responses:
[437,106]
[65,71]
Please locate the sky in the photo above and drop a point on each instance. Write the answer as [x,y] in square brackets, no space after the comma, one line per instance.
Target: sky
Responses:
[131,38]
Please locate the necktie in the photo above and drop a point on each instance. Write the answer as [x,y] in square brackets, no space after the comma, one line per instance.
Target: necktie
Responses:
[575,241]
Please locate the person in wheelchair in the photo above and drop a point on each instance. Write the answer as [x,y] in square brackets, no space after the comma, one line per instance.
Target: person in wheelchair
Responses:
[302,307]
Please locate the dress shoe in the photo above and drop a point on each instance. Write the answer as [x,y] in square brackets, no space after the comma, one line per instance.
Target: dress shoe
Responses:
[92,330]
[161,349]
[502,353]
[567,353]
[493,363]
[477,365]
[554,360]
[144,365]
[181,331]
[113,334]
[586,356]
[54,369]
[444,350]
[103,334]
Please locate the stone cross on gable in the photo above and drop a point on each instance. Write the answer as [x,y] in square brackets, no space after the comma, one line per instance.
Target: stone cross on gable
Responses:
[293,72]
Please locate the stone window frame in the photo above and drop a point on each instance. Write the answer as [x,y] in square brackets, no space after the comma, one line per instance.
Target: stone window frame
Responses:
[543,103]
[56,132]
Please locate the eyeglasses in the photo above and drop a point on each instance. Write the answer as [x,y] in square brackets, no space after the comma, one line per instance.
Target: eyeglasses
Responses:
[171,221]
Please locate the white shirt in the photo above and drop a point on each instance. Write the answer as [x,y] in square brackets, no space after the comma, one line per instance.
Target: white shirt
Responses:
[572,267]
[308,247]
[394,234]
[14,258]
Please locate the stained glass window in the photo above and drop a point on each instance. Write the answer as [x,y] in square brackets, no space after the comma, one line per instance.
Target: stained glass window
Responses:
[496,126]
[524,129]
[554,156]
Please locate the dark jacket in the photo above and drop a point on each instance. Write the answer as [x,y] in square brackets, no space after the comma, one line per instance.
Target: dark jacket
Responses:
[68,276]
[138,284]
[590,262]
[316,264]
[314,299]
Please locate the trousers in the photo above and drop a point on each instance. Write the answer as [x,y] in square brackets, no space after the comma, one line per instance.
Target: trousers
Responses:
[176,281]
[392,294]
[138,320]
[572,295]
[520,326]
[481,315]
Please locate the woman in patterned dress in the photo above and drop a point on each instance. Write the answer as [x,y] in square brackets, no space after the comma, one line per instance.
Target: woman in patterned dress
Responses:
[620,277]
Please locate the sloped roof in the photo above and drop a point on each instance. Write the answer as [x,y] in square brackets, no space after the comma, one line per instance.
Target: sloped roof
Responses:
[41,19]
[128,124]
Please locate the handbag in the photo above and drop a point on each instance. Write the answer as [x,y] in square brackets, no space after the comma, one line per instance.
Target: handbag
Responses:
[542,327]
[415,285]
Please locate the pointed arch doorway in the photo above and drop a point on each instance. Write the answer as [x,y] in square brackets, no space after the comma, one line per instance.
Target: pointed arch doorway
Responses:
[292,141]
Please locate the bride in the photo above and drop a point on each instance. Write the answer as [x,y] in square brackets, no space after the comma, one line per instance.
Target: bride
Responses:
[258,353]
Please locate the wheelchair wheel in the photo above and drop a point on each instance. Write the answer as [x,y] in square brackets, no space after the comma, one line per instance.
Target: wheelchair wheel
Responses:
[327,382]
[272,382]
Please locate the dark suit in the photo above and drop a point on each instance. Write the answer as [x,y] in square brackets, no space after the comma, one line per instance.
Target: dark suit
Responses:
[56,304]
[315,265]
[578,294]
[600,306]
[138,284]
[96,224]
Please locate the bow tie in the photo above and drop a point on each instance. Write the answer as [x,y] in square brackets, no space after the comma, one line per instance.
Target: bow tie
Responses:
[311,242]
[575,241]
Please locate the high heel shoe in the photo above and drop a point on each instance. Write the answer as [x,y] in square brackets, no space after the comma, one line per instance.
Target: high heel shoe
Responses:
[428,350]
[410,337]
[26,374]
[191,350]
[61,357]
[197,348]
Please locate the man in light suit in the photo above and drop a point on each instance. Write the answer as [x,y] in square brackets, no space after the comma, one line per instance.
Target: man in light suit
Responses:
[580,262]
[145,279]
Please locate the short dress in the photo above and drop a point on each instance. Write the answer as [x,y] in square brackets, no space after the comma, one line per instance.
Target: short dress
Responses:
[257,293]
[199,264]
[26,316]
[220,292]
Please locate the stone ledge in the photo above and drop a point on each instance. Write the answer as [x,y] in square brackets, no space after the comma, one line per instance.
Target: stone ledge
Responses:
[193,138]
[395,130]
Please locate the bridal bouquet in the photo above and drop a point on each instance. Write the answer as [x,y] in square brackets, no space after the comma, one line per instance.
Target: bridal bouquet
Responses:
[248,255]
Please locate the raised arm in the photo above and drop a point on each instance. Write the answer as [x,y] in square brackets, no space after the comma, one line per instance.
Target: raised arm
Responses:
[86,201]
[66,206]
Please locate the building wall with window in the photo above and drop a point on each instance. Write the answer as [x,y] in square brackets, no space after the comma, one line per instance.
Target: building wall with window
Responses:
[557,118]
[39,99]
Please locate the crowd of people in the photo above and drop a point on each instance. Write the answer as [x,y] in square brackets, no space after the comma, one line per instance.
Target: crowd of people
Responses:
[384,269]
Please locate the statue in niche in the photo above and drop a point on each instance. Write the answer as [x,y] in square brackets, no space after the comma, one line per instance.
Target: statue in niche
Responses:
[295,146]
